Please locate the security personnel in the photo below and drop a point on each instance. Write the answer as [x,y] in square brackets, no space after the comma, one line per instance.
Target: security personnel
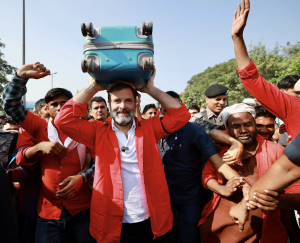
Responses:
[216,98]
[182,164]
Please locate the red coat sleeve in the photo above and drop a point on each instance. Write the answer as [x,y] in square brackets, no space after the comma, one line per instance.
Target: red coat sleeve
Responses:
[172,121]
[33,124]
[68,120]
[279,103]
[209,172]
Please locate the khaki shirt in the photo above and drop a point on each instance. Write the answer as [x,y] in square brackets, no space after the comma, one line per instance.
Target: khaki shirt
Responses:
[207,115]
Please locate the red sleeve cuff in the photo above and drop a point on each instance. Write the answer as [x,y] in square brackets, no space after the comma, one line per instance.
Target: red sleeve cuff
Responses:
[248,71]
[206,178]
[21,159]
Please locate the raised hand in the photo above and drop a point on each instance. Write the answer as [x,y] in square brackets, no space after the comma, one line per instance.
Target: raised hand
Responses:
[150,83]
[36,71]
[240,18]
[96,85]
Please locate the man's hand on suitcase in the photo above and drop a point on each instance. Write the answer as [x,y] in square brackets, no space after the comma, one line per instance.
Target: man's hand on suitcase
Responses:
[94,84]
[150,84]
[36,71]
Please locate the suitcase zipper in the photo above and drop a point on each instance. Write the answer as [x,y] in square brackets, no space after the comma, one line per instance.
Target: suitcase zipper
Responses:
[119,45]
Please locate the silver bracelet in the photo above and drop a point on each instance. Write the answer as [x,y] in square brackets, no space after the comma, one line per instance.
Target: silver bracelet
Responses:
[92,85]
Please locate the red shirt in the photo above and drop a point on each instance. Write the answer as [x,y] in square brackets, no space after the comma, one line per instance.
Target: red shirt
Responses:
[267,153]
[53,169]
[107,199]
[282,105]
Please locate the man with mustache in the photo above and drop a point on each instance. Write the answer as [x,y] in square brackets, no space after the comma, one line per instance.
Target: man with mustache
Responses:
[258,155]
[265,123]
[98,108]
[130,201]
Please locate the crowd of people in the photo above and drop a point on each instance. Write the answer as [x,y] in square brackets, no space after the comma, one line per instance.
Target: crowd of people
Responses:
[86,169]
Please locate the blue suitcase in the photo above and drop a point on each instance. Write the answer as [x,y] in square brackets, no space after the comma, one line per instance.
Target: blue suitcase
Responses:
[118,52]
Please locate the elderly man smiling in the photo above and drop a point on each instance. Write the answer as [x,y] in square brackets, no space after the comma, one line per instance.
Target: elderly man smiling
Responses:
[258,155]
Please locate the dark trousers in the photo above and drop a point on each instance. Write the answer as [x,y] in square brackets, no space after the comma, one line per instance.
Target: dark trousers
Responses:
[8,227]
[73,229]
[139,233]
[188,218]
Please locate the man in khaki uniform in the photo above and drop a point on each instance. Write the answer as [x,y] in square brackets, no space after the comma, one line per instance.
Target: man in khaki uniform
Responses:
[216,99]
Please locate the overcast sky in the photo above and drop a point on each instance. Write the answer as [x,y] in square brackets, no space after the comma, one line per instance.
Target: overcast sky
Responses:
[189,36]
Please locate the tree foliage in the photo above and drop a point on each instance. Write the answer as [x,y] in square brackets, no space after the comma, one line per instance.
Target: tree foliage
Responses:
[5,69]
[273,65]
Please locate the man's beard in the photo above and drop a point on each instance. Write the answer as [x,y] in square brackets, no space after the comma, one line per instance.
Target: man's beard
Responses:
[248,141]
[123,120]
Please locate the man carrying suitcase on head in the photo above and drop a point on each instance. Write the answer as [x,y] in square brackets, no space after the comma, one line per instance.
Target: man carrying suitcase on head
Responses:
[130,201]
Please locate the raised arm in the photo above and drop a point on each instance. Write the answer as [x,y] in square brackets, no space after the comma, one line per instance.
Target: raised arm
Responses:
[13,91]
[238,25]
[69,118]
[279,103]
[176,117]
[164,99]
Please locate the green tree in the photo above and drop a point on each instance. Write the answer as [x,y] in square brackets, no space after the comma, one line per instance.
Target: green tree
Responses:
[5,69]
[273,65]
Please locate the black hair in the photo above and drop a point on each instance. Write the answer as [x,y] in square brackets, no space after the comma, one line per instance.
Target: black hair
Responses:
[288,82]
[7,120]
[147,107]
[53,94]
[121,86]
[96,99]
[40,104]
[262,111]
[173,94]
[194,107]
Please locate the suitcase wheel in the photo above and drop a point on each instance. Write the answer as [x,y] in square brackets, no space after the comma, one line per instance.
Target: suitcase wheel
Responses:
[90,30]
[148,63]
[83,29]
[147,28]
[83,66]
[87,30]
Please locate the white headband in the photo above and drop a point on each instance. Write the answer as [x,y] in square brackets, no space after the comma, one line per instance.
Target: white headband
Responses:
[237,108]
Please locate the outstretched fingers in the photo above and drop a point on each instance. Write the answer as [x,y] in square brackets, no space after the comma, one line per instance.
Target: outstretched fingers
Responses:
[247,4]
[234,16]
[238,10]
[242,7]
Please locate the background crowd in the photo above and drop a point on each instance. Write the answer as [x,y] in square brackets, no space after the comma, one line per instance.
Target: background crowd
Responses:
[90,169]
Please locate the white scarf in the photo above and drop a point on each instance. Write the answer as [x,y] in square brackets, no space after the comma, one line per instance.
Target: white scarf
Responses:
[69,143]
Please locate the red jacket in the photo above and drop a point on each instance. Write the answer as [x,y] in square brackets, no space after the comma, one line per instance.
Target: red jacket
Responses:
[267,153]
[282,105]
[53,169]
[107,198]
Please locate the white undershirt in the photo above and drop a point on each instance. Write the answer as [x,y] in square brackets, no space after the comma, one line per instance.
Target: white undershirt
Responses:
[135,200]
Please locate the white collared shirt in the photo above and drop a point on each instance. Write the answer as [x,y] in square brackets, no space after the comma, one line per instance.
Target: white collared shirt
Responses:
[134,194]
